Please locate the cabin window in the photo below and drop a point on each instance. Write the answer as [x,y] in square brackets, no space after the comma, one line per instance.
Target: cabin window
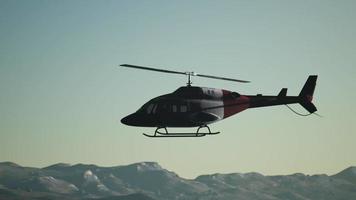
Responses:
[183,108]
[174,108]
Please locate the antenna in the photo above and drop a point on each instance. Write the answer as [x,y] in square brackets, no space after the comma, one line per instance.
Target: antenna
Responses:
[189,83]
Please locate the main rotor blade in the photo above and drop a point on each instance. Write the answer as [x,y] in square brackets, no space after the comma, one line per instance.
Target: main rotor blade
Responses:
[222,78]
[183,73]
[153,69]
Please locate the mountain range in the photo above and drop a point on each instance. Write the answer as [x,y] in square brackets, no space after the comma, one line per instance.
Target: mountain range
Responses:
[149,181]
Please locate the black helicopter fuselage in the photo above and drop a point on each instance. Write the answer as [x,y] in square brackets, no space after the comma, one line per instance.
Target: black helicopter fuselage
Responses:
[186,107]
[199,106]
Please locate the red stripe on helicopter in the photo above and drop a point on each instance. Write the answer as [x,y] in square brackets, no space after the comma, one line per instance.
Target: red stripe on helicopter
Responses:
[234,105]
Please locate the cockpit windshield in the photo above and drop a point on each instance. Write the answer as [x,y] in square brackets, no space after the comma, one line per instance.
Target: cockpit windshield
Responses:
[149,108]
[170,107]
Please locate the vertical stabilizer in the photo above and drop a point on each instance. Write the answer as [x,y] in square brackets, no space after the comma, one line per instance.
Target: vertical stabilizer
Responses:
[306,94]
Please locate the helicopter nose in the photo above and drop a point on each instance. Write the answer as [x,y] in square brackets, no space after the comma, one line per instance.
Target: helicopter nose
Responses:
[138,119]
[128,120]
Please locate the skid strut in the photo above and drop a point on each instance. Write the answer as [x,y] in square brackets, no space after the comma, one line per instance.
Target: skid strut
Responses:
[157,133]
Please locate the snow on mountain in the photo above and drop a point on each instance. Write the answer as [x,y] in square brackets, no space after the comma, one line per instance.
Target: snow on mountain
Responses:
[90,177]
[58,186]
[80,181]
[93,186]
[148,166]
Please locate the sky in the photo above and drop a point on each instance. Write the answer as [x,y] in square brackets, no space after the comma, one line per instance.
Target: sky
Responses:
[62,94]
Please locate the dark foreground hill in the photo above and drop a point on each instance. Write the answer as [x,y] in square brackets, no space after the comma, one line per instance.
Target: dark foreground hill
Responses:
[148,180]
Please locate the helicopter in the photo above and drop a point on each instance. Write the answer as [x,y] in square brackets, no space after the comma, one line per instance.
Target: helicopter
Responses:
[193,106]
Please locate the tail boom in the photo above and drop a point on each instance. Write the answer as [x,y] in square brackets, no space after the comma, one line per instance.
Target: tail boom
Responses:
[304,98]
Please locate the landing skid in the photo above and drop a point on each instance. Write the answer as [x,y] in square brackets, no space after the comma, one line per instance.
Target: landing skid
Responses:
[178,134]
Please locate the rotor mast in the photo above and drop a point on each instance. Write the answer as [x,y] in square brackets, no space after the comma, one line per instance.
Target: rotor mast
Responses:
[189,83]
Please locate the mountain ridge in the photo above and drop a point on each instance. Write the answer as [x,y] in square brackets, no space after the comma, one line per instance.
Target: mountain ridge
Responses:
[149,180]
[61,164]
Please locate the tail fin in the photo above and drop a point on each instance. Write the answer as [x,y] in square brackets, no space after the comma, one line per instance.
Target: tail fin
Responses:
[282,93]
[306,94]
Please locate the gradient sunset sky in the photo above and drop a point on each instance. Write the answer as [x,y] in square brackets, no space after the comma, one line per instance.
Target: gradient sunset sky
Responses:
[62,94]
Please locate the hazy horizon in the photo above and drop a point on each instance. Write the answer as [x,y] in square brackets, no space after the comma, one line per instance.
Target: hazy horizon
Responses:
[63,94]
[172,170]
